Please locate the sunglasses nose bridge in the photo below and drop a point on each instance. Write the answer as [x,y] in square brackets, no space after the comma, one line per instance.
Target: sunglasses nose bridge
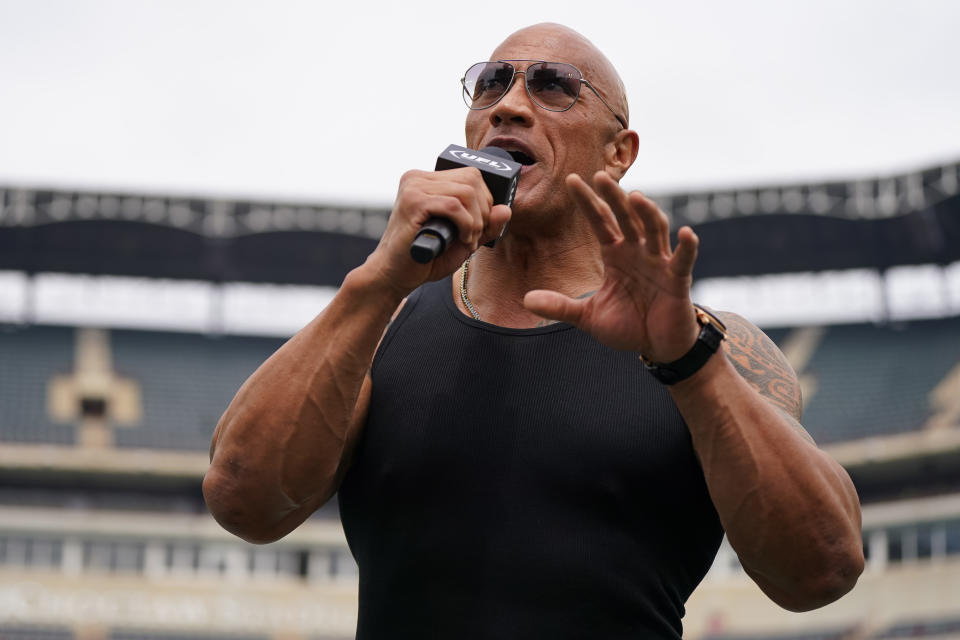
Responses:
[515,80]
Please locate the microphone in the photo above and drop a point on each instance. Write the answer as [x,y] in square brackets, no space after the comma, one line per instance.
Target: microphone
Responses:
[500,173]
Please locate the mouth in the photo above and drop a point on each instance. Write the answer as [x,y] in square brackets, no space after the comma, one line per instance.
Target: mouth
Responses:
[522,158]
[518,150]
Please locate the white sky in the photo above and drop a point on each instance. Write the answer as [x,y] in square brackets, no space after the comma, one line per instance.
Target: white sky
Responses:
[332,101]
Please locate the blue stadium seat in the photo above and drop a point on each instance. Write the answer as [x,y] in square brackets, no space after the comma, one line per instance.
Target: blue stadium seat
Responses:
[870,380]
[921,629]
[10,632]
[187,381]
[29,358]
[876,380]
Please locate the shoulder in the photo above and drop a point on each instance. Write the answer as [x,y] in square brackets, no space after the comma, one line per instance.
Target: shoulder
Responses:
[761,363]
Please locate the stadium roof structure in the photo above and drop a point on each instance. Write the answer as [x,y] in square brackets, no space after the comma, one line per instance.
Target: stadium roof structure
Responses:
[877,223]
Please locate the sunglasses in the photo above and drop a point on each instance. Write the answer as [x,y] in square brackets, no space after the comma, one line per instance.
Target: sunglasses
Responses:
[554,86]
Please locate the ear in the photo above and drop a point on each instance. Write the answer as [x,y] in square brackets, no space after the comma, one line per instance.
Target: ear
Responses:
[621,152]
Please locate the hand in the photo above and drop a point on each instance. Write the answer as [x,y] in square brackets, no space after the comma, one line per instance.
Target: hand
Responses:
[457,194]
[643,304]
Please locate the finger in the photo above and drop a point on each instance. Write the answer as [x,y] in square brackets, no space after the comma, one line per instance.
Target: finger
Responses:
[597,211]
[616,198]
[475,202]
[655,223]
[496,223]
[554,306]
[468,186]
[467,175]
[469,225]
[480,198]
[686,253]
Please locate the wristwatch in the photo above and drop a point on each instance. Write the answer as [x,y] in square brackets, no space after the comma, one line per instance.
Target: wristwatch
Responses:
[712,333]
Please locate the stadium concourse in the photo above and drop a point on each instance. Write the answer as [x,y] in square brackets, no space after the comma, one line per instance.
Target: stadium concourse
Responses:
[127,322]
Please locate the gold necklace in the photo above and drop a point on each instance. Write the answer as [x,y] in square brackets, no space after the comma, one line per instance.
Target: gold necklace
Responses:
[463,289]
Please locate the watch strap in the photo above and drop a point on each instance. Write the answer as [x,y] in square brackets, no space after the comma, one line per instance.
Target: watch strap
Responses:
[712,333]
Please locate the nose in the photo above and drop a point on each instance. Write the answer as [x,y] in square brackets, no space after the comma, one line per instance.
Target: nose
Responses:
[515,107]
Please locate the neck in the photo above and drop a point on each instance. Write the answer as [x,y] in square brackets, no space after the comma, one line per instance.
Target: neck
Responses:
[498,278]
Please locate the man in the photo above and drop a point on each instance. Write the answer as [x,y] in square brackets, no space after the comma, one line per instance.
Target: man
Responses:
[507,465]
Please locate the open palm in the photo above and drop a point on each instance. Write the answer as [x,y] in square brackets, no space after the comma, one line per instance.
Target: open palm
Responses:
[643,304]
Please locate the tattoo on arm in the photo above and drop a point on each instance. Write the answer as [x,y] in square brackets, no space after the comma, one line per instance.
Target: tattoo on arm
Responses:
[545,322]
[763,365]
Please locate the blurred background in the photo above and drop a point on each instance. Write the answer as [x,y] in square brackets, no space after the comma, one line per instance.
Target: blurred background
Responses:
[183,185]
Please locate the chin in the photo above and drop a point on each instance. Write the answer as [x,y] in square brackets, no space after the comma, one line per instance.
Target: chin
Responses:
[541,195]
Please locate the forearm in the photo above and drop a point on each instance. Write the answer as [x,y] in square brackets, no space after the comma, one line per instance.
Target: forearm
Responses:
[278,447]
[789,510]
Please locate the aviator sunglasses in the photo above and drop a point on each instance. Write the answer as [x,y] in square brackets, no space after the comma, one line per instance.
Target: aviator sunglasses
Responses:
[554,86]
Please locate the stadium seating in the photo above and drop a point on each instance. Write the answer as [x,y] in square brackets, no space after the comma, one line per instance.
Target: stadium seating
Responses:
[35,633]
[921,629]
[868,380]
[875,380]
[187,380]
[29,358]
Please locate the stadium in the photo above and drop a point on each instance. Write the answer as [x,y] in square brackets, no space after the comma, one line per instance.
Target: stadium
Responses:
[130,319]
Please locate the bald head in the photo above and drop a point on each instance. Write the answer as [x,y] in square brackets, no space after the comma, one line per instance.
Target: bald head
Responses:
[557,43]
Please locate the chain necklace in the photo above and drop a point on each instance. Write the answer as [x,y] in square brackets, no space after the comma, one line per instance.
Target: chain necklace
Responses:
[463,289]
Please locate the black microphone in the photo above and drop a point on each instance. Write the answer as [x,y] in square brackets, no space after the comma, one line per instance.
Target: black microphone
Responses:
[500,173]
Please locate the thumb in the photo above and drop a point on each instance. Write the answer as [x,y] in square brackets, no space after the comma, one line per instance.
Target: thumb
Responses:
[496,222]
[554,306]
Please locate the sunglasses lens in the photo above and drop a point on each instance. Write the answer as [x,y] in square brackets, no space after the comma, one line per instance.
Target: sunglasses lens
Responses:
[554,85]
[485,82]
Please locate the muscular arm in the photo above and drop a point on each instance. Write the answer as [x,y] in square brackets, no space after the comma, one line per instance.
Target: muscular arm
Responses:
[282,445]
[790,511]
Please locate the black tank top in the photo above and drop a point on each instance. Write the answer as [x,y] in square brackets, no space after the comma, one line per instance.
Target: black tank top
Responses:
[520,483]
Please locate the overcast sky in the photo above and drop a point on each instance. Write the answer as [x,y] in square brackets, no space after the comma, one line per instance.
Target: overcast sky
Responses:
[332,101]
